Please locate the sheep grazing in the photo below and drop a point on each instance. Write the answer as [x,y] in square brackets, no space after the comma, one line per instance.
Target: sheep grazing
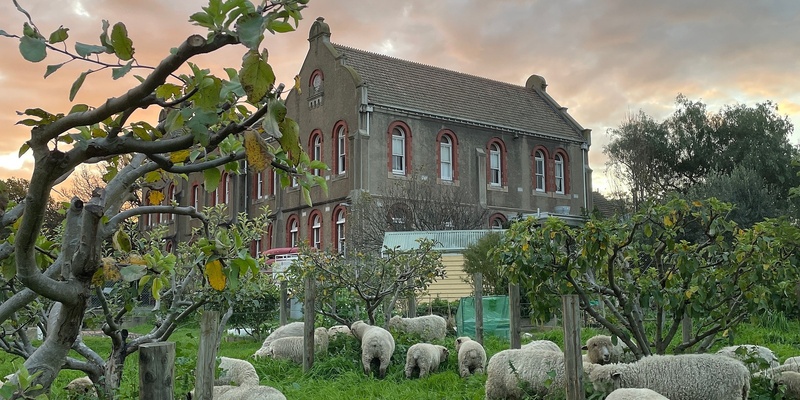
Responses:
[546,345]
[234,371]
[291,348]
[336,330]
[288,330]
[82,385]
[791,380]
[425,357]
[471,357]
[427,327]
[509,371]
[228,392]
[635,394]
[755,357]
[601,350]
[678,377]
[376,343]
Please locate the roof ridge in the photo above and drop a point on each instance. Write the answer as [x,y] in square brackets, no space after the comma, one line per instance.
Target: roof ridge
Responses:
[429,66]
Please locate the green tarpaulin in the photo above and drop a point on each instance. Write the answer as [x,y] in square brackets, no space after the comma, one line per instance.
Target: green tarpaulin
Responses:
[495,316]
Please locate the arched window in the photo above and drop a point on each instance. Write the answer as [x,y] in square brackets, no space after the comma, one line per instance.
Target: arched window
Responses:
[497,162]
[169,246]
[196,193]
[213,197]
[497,220]
[315,148]
[538,171]
[315,82]
[448,155]
[268,240]
[292,231]
[274,183]
[399,148]
[339,226]
[558,169]
[315,229]
[340,147]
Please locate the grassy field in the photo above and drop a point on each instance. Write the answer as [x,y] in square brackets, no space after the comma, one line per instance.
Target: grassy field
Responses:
[338,375]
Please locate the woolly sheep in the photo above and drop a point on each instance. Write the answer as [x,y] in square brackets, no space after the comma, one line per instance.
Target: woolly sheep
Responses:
[678,377]
[635,394]
[288,330]
[82,385]
[291,348]
[541,345]
[471,357]
[770,373]
[510,370]
[234,371]
[338,330]
[791,380]
[227,392]
[376,343]
[428,327]
[425,357]
[792,360]
[755,357]
[601,350]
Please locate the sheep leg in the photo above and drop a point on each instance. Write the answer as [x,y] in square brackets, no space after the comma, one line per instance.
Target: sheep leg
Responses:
[365,361]
[384,365]
[424,368]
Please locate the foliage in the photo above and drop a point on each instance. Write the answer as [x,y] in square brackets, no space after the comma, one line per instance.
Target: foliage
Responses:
[478,257]
[201,128]
[365,279]
[13,191]
[256,302]
[656,158]
[20,386]
[644,267]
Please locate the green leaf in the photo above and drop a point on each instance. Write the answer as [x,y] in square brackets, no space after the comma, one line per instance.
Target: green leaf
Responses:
[53,68]
[275,115]
[104,40]
[59,35]
[78,108]
[290,139]
[250,28]
[211,179]
[85,50]
[256,77]
[123,46]
[117,73]
[33,50]
[202,19]
[306,196]
[24,149]
[77,85]
[280,26]
[648,230]
[132,273]
[121,241]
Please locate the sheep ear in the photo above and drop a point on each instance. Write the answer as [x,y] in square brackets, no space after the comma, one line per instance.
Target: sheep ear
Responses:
[616,375]
[584,348]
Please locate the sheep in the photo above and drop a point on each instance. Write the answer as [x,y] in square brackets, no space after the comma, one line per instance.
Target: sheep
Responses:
[509,371]
[471,357]
[771,373]
[376,343]
[792,360]
[291,348]
[541,345]
[426,357]
[601,350]
[635,394]
[82,385]
[755,357]
[791,380]
[338,330]
[428,327]
[256,392]
[236,372]
[288,330]
[678,377]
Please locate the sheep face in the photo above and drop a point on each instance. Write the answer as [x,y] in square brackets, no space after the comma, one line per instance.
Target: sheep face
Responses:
[461,341]
[599,349]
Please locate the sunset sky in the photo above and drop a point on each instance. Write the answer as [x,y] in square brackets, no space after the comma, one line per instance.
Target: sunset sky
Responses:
[602,59]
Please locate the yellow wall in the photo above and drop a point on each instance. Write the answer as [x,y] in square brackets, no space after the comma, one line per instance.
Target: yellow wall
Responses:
[453,286]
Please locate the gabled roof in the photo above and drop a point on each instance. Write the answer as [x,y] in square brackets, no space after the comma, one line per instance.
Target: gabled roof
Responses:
[454,241]
[410,86]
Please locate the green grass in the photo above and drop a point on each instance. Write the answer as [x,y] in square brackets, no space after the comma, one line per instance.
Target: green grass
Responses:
[339,375]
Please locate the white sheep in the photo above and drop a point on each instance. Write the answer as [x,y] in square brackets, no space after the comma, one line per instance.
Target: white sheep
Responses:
[792,360]
[791,380]
[425,357]
[635,394]
[755,357]
[257,392]
[338,330]
[288,330]
[376,343]
[771,373]
[291,348]
[678,377]
[513,373]
[601,350]
[427,327]
[82,385]
[471,357]
[234,371]
[541,345]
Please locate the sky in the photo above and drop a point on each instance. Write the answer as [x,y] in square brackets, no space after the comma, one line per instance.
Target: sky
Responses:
[604,60]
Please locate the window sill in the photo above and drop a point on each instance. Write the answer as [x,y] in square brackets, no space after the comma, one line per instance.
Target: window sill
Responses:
[393,175]
[497,188]
[454,182]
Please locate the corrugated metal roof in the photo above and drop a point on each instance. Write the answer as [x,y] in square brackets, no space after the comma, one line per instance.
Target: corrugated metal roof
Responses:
[446,241]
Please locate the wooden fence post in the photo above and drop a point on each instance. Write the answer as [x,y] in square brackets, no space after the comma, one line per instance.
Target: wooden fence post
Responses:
[284,313]
[206,355]
[309,315]
[514,329]
[573,362]
[478,278]
[412,306]
[157,371]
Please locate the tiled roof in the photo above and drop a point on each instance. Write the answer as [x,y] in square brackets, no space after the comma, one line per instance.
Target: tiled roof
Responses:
[412,86]
[446,241]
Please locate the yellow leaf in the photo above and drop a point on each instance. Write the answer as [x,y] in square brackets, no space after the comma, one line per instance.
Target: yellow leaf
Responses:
[155,196]
[667,221]
[152,176]
[136,260]
[697,203]
[97,278]
[525,247]
[257,150]
[216,277]
[297,84]
[179,156]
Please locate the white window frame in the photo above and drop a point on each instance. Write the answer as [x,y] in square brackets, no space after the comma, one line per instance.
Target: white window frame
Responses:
[294,229]
[446,158]
[398,151]
[260,190]
[495,165]
[539,163]
[275,182]
[316,151]
[340,232]
[316,231]
[227,188]
[341,141]
[559,173]
[196,193]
